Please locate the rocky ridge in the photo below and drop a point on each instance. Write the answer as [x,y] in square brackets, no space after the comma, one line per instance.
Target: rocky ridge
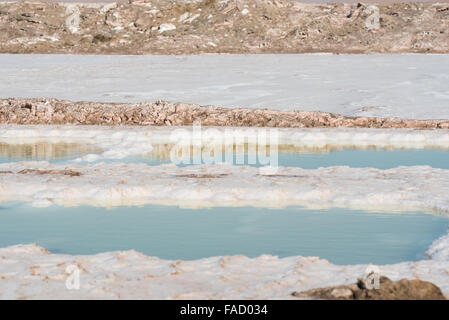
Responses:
[162,113]
[222,26]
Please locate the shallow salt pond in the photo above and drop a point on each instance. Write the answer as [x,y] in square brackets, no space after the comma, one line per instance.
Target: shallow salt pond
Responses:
[288,156]
[342,236]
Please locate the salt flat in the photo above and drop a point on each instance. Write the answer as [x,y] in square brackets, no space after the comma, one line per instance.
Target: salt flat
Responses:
[408,86]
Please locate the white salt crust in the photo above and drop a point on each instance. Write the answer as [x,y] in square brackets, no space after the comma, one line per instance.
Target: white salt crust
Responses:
[30,272]
[117,184]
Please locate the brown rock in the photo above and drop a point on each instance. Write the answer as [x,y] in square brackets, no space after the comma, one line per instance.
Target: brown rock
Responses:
[404,289]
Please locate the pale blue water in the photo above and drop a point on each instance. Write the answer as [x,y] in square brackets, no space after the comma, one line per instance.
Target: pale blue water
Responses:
[356,158]
[339,235]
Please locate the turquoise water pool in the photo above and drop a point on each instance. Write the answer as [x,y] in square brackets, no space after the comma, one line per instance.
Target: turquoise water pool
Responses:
[340,235]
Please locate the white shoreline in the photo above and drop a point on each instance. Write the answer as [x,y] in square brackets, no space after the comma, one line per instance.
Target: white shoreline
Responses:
[123,184]
[140,140]
[37,274]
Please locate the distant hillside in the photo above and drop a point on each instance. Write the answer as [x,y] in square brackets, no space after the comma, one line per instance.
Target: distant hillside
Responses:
[223,26]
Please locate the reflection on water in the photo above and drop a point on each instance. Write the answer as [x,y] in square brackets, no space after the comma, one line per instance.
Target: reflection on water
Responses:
[311,157]
[44,151]
[340,235]
[288,155]
[162,152]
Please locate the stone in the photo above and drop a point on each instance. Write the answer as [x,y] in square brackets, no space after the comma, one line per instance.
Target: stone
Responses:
[166,27]
[342,293]
[404,289]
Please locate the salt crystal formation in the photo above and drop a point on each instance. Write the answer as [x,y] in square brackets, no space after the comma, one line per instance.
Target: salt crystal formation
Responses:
[114,184]
[39,274]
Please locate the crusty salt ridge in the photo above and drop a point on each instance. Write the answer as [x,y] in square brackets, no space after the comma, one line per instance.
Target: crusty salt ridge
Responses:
[38,274]
[115,184]
[439,250]
[161,113]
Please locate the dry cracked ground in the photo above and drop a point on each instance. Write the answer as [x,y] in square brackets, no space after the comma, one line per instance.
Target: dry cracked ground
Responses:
[222,26]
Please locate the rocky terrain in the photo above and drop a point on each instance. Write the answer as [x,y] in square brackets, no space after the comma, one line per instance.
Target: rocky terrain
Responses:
[222,26]
[404,289]
[162,113]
